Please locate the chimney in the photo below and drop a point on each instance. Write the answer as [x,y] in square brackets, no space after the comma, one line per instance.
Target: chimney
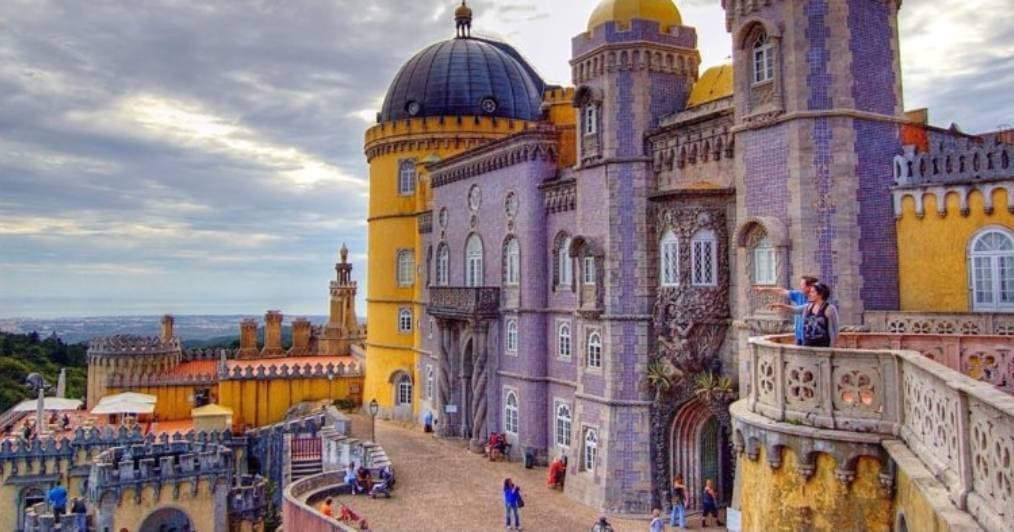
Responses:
[167,327]
[301,330]
[273,334]
[247,339]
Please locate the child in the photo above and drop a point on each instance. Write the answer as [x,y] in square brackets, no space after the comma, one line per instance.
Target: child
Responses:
[709,503]
[657,523]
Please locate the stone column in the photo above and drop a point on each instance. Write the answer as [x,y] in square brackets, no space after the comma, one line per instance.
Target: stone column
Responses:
[443,377]
[480,377]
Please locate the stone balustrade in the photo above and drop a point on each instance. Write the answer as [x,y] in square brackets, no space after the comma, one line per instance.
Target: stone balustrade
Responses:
[460,302]
[961,429]
[967,324]
[988,359]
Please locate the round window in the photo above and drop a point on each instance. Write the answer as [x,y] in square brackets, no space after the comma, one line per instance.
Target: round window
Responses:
[413,108]
[489,105]
[474,197]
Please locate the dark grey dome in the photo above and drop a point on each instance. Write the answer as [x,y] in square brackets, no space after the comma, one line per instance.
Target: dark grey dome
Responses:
[465,77]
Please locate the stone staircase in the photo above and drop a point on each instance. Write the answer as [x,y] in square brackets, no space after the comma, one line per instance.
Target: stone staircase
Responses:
[305,468]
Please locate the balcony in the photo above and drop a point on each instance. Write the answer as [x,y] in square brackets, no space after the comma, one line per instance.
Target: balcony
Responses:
[877,389]
[464,303]
[967,324]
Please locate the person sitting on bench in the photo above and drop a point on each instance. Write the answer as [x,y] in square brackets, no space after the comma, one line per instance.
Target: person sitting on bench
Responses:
[364,480]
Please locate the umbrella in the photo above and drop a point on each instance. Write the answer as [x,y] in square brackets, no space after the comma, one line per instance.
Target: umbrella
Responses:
[133,397]
[48,403]
[123,407]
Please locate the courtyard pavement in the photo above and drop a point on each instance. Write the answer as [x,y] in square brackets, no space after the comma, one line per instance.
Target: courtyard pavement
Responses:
[443,486]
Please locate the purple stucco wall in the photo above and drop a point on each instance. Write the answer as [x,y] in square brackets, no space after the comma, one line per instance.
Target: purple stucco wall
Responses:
[639,30]
[873,52]
[765,172]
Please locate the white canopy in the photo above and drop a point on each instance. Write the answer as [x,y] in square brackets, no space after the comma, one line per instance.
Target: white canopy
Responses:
[125,403]
[133,397]
[48,403]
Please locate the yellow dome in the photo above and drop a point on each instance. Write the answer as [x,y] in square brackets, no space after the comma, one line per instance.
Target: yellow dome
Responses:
[714,84]
[623,11]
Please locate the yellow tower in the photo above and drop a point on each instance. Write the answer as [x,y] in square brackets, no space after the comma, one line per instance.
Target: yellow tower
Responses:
[452,96]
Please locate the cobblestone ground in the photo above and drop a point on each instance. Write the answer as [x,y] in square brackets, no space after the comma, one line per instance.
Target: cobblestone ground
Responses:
[442,486]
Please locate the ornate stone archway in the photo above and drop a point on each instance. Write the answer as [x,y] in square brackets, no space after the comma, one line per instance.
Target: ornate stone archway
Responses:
[167,520]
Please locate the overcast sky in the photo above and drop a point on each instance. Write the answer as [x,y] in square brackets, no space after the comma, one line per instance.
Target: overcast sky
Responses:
[206,157]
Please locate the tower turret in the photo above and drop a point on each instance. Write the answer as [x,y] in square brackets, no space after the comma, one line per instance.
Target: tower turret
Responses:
[168,322]
[342,325]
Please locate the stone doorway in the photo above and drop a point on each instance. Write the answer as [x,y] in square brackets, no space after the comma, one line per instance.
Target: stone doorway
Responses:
[167,520]
[699,449]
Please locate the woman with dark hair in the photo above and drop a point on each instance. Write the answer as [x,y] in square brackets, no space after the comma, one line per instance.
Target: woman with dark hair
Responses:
[820,317]
[512,501]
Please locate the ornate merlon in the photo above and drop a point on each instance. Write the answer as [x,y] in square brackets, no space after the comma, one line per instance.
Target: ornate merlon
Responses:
[128,345]
[961,429]
[559,195]
[293,371]
[977,159]
[464,302]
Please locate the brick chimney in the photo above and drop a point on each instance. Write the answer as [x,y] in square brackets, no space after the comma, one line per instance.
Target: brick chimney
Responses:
[301,331]
[167,327]
[273,334]
[248,339]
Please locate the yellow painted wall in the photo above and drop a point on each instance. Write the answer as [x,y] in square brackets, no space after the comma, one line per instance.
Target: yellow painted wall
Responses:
[200,507]
[173,403]
[933,251]
[9,492]
[783,500]
[919,513]
[262,402]
[393,227]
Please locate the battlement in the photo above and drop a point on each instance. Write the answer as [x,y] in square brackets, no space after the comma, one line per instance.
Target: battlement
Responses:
[971,160]
[559,95]
[163,464]
[119,380]
[209,354]
[254,371]
[248,499]
[48,447]
[130,345]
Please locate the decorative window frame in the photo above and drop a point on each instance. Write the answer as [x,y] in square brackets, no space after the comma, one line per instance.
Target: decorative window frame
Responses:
[431,382]
[506,425]
[589,271]
[590,356]
[407,183]
[666,267]
[589,443]
[765,250]
[704,249]
[568,434]
[443,267]
[512,262]
[560,352]
[758,98]
[481,273]
[971,255]
[590,119]
[511,343]
[563,263]
[402,329]
[405,272]
[401,381]
[747,236]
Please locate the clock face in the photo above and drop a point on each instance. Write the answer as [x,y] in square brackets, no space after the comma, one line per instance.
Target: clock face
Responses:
[489,105]
[474,198]
[413,108]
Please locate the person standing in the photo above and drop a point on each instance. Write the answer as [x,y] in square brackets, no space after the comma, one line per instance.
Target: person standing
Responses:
[679,503]
[58,501]
[796,298]
[709,503]
[820,317]
[657,523]
[512,502]
[428,421]
[80,512]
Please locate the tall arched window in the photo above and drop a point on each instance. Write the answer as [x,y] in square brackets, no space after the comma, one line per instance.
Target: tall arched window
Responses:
[404,320]
[563,343]
[473,261]
[406,178]
[443,265]
[404,390]
[764,263]
[591,448]
[992,265]
[669,260]
[594,350]
[763,59]
[512,271]
[704,258]
[406,268]
[512,336]
[430,382]
[510,414]
[591,119]
[563,421]
[564,263]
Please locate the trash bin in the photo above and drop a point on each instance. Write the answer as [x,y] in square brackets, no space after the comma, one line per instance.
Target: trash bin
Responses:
[529,457]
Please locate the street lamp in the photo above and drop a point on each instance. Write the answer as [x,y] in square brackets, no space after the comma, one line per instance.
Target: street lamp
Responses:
[374,408]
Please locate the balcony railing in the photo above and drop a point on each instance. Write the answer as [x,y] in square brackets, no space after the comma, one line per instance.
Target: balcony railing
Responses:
[458,302]
[961,429]
[968,324]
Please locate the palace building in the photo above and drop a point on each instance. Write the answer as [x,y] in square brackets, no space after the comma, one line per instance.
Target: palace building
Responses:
[575,266]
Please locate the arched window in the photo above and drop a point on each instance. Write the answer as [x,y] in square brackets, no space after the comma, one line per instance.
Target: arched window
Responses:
[512,271]
[591,119]
[564,264]
[430,382]
[589,270]
[406,268]
[473,261]
[763,59]
[669,260]
[764,263]
[563,420]
[704,258]
[430,328]
[406,178]
[563,343]
[404,390]
[591,448]
[510,414]
[404,320]
[992,265]
[443,265]
[512,336]
[594,350]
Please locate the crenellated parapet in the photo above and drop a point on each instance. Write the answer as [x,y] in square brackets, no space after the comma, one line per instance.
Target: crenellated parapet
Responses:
[293,371]
[190,355]
[121,381]
[133,346]
[248,499]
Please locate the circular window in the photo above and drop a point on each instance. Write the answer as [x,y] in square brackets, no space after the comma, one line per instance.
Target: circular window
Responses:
[442,217]
[511,205]
[413,108]
[489,105]
[474,197]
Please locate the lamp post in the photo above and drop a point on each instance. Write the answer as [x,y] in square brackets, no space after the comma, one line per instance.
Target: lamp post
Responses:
[374,408]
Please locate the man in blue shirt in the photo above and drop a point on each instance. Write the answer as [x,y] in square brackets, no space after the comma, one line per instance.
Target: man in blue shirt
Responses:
[796,298]
[58,500]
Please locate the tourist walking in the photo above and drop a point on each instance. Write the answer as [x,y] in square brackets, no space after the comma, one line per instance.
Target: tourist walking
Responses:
[709,503]
[80,512]
[58,501]
[512,502]
[428,421]
[796,298]
[657,523]
[679,503]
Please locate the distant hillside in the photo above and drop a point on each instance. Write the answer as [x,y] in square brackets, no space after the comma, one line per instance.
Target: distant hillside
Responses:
[21,354]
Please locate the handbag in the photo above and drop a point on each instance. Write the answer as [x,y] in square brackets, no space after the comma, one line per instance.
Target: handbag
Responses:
[521,501]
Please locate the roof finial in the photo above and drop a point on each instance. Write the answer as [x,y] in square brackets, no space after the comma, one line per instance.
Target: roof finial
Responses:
[344,254]
[463,20]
